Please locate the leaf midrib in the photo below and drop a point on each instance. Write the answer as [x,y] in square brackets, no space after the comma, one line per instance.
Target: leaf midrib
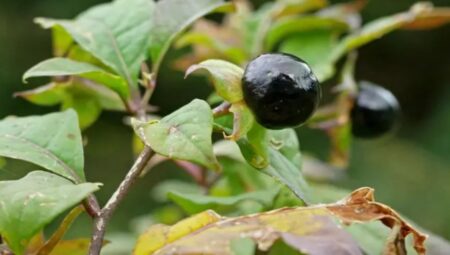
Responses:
[49,154]
[123,65]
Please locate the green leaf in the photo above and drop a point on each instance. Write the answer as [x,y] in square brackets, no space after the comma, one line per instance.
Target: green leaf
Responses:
[52,141]
[290,7]
[280,247]
[254,147]
[201,39]
[243,246]
[292,26]
[116,33]
[239,175]
[29,204]
[257,25]
[195,203]
[47,95]
[87,107]
[226,77]
[61,40]
[171,17]
[160,192]
[64,66]
[315,47]
[282,158]
[2,162]
[60,67]
[285,172]
[87,99]
[185,134]
[286,142]
[421,15]
[56,93]
[243,120]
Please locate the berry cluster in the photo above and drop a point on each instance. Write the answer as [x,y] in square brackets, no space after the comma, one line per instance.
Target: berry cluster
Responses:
[282,92]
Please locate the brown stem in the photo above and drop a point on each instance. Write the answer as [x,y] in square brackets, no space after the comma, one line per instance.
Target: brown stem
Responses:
[105,214]
[222,109]
[137,107]
[91,206]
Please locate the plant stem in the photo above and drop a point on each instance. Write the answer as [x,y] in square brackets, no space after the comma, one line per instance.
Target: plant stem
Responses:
[105,214]
[91,206]
[222,109]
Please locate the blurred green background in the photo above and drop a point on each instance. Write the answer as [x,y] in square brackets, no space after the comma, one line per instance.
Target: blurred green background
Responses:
[410,169]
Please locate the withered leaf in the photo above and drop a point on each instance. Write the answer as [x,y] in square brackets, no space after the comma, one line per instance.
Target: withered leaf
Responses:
[311,230]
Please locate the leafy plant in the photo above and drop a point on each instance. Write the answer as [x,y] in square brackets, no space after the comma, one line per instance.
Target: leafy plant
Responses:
[109,57]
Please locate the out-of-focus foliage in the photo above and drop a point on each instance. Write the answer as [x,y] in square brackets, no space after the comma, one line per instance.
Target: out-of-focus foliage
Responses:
[106,57]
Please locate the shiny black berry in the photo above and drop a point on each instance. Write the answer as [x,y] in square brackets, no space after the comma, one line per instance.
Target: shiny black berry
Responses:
[281,90]
[375,111]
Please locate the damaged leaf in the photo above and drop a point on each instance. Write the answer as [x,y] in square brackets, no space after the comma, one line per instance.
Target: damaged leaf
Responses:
[310,230]
[243,120]
[226,78]
[29,204]
[185,134]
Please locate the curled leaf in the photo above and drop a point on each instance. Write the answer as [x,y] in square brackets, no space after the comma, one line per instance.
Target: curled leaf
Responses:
[309,230]
[421,15]
[226,77]
[243,120]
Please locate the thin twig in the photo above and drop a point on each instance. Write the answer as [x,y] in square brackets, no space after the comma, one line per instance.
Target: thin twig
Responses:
[149,83]
[222,109]
[137,107]
[91,206]
[105,215]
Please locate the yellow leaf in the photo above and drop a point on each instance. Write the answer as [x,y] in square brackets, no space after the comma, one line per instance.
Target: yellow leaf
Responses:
[160,235]
[310,230]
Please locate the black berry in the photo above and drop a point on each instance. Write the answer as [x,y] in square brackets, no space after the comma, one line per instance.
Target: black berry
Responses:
[281,90]
[375,111]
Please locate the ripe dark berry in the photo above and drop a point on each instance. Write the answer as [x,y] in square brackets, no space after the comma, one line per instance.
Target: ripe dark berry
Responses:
[281,90]
[375,111]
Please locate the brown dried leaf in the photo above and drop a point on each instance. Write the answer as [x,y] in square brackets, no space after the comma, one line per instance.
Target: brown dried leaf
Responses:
[310,230]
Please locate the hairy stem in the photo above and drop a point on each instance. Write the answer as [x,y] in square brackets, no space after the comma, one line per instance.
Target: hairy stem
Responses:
[105,214]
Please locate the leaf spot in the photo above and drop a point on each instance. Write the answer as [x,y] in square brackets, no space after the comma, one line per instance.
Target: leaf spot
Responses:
[173,129]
